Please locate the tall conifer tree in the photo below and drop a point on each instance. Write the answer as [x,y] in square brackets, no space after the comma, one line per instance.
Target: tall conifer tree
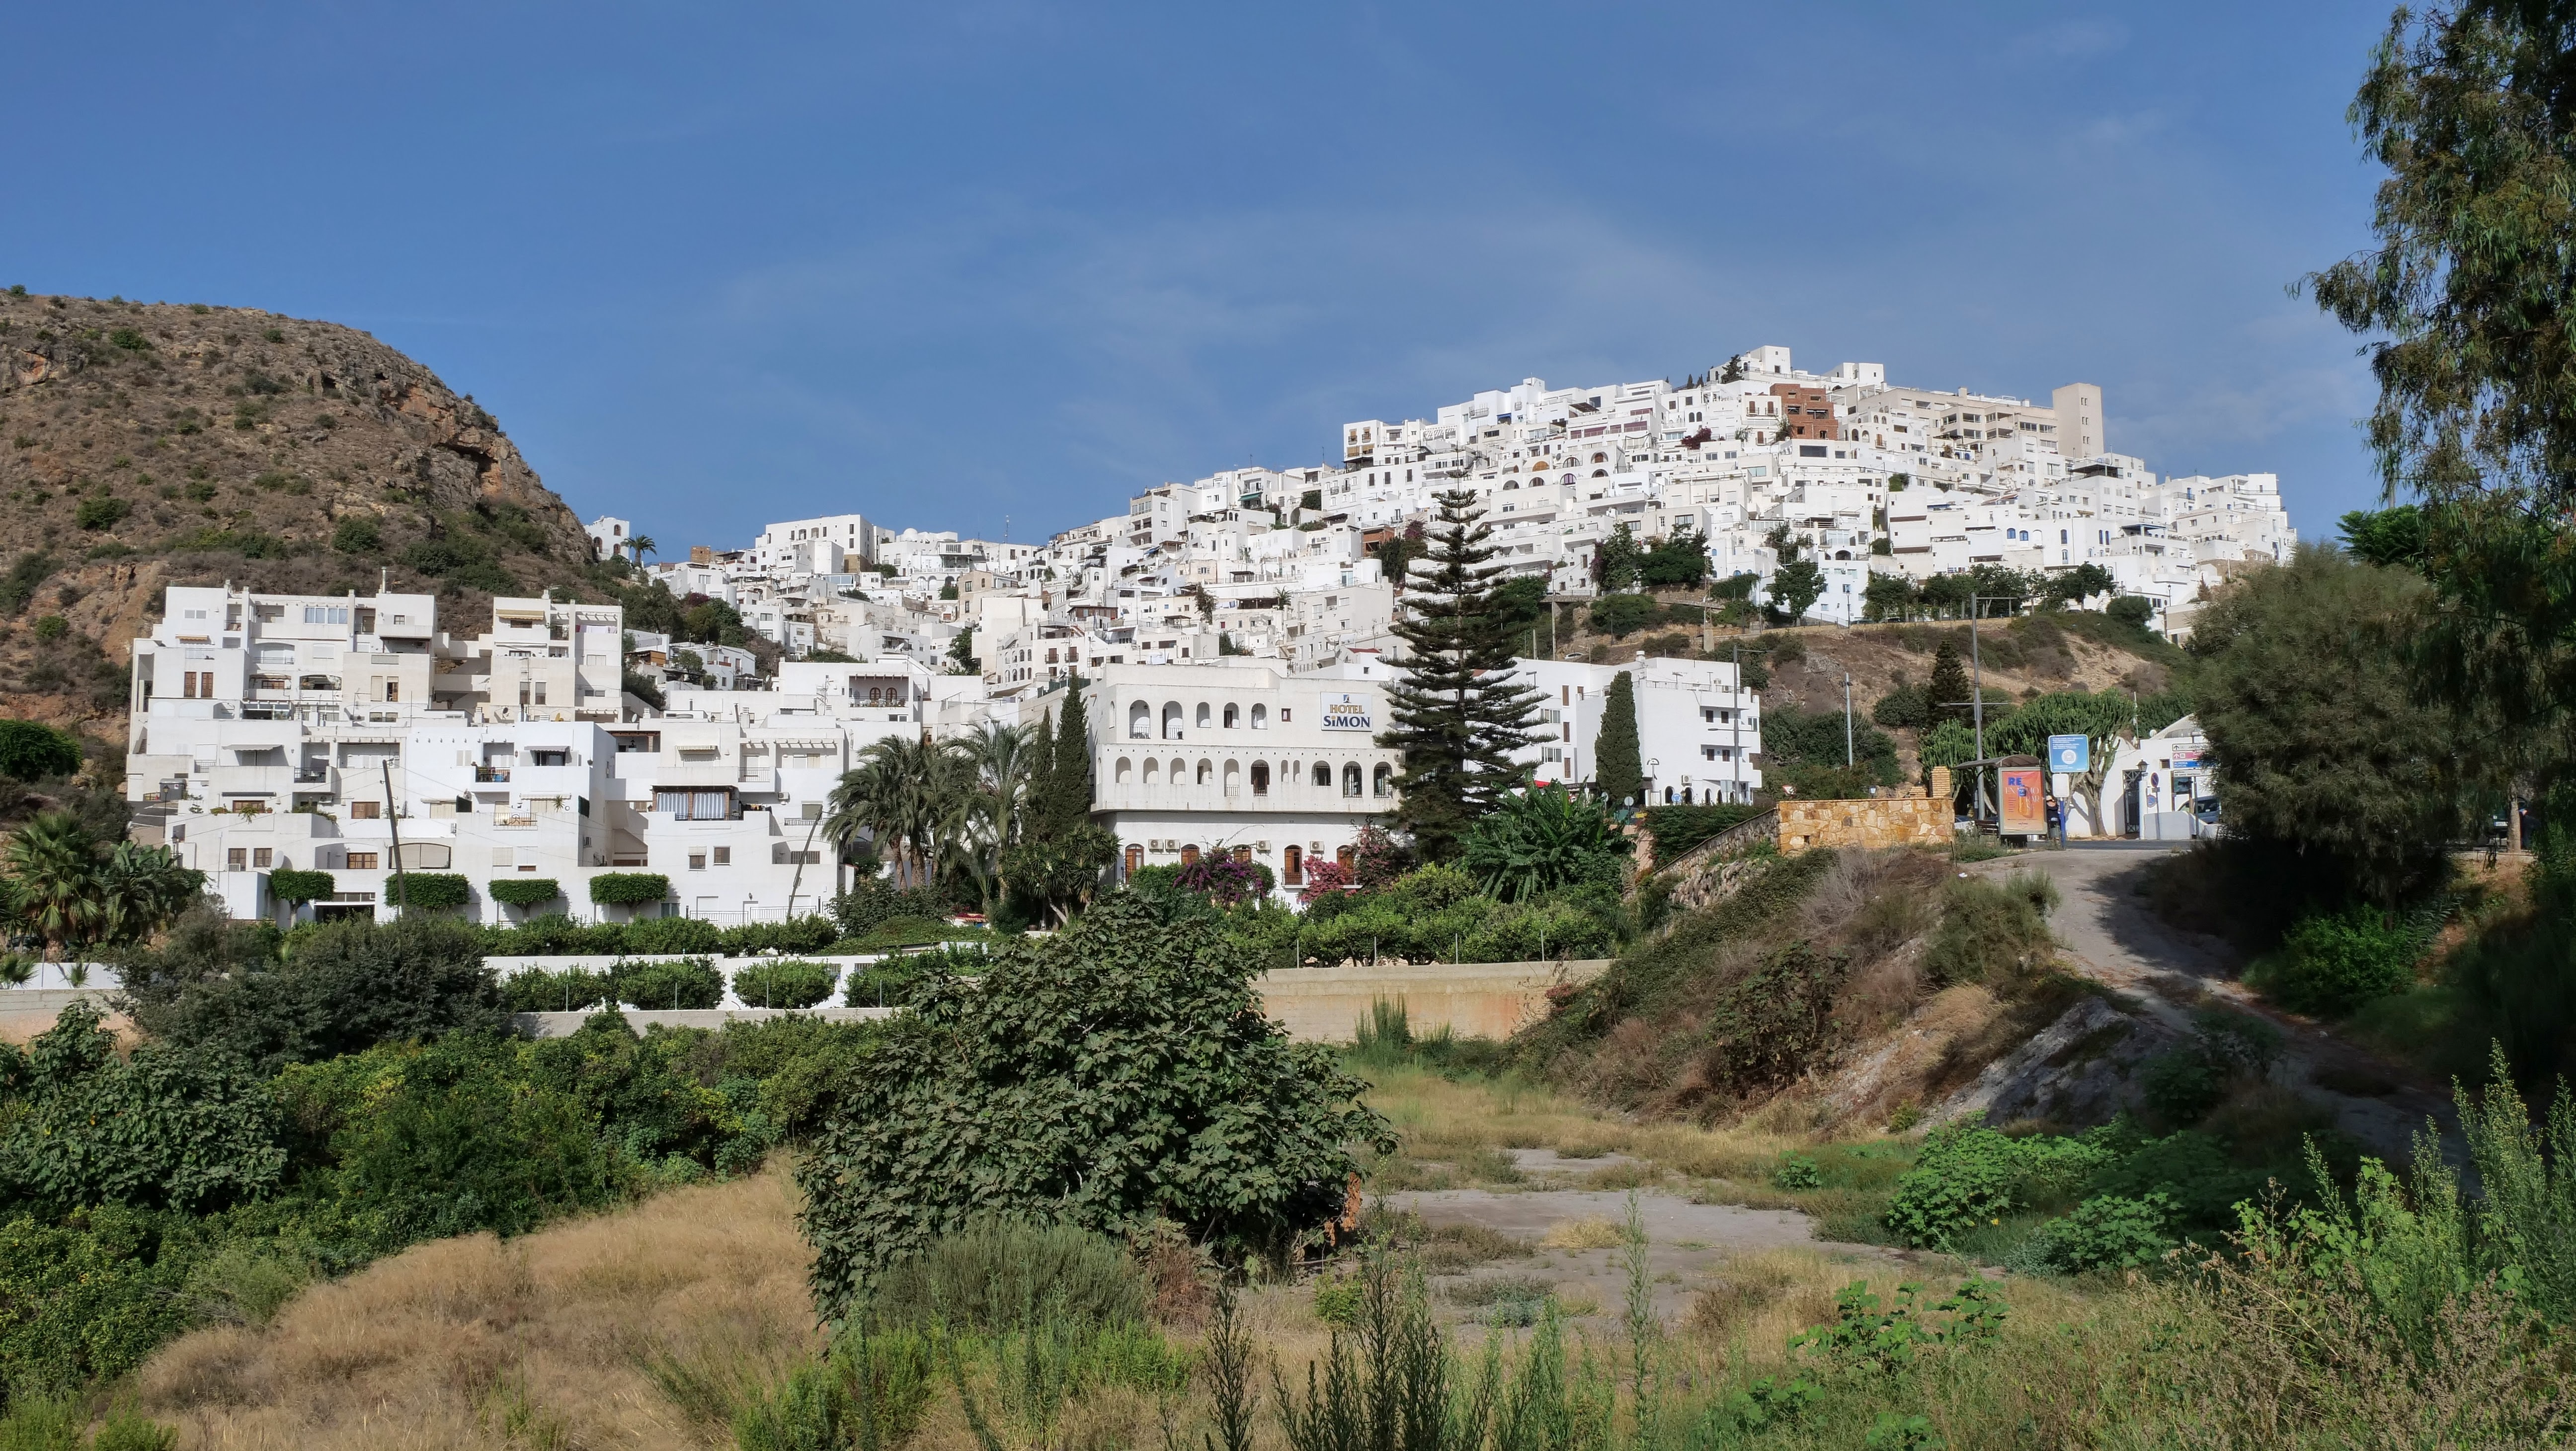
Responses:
[1070,787]
[1615,764]
[1037,820]
[1947,695]
[1459,710]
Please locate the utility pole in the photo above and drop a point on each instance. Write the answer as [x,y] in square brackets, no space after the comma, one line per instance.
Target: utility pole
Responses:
[1735,724]
[1847,722]
[393,822]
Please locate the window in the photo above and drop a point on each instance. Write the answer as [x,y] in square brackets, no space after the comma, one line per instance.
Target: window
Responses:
[1203,713]
[1292,866]
[260,858]
[1261,778]
[1136,857]
[1323,776]
[362,861]
[697,861]
[724,856]
[1261,717]
[237,859]
[366,810]
[685,804]
[1351,779]
[548,758]
[1190,855]
[1233,717]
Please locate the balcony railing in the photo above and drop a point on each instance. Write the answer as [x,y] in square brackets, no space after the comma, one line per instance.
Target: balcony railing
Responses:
[491,775]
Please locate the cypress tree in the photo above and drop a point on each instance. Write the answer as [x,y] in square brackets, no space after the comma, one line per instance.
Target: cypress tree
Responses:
[1070,786]
[1459,710]
[1035,820]
[1615,767]
[1948,693]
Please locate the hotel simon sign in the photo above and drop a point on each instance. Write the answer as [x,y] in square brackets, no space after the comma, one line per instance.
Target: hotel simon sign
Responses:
[1347,713]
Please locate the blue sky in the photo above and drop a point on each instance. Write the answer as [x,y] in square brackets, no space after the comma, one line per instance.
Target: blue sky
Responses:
[716,265]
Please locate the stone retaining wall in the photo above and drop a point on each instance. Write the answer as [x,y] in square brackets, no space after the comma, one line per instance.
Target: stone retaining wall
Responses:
[1871,822]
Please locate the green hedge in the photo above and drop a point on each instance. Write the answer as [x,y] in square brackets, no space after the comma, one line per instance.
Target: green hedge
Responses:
[788,984]
[621,889]
[289,885]
[557,935]
[30,751]
[429,890]
[524,891]
[567,990]
[688,983]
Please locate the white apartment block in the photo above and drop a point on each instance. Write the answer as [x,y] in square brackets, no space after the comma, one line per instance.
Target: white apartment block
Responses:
[1236,757]
[1698,729]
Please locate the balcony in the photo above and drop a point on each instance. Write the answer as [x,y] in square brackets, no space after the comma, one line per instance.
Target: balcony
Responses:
[491,775]
[229,781]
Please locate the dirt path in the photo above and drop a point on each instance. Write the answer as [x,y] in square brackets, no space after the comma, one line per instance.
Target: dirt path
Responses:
[2115,940]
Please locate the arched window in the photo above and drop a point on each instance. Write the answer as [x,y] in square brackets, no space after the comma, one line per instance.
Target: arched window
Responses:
[1140,722]
[1233,717]
[1323,776]
[1600,473]
[1153,769]
[1243,856]
[1207,771]
[1383,783]
[1261,717]
[1135,858]
[1261,778]
[1171,720]
[1180,772]
[1292,866]
[1203,715]
[1351,779]
[1190,855]
[1347,856]
[1234,778]
[1601,458]
[1123,769]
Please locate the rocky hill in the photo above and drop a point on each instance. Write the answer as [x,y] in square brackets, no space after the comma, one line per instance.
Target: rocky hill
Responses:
[143,445]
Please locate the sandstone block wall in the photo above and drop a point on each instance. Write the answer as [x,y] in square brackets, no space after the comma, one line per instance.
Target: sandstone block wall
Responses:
[1870,822]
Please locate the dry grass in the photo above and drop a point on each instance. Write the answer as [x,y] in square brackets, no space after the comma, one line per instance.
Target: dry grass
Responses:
[542,1340]
[1584,1234]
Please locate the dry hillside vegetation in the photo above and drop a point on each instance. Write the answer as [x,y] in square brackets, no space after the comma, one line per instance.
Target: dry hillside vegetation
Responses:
[143,445]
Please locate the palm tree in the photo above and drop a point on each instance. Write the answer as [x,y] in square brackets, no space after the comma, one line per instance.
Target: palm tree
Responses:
[905,793]
[642,544]
[1001,758]
[141,888]
[53,875]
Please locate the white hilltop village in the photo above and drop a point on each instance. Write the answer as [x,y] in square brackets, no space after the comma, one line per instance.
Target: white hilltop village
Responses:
[1233,635]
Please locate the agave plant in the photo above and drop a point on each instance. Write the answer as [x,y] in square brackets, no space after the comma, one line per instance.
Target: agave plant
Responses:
[1542,839]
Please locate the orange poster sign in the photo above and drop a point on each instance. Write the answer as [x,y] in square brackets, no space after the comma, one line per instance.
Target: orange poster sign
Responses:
[2025,808]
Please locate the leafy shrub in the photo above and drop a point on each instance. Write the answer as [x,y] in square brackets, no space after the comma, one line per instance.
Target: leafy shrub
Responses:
[523,891]
[1796,1171]
[555,934]
[1117,1072]
[2332,963]
[89,1298]
[429,891]
[1618,615]
[1677,829]
[1991,932]
[563,990]
[993,1271]
[893,982]
[1225,881]
[2108,1232]
[33,752]
[2181,1086]
[690,982]
[100,511]
[348,985]
[622,889]
[2131,610]
[904,932]
[166,1126]
[1967,1176]
[672,934]
[784,984]
[50,628]
[358,535]
[875,903]
[458,1142]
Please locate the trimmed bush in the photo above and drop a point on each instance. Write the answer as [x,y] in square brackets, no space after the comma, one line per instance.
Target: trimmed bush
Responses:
[691,982]
[554,935]
[789,984]
[524,891]
[672,934]
[289,885]
[803,934]
[430,891]
[875,904]
[566,990]
[626,889]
